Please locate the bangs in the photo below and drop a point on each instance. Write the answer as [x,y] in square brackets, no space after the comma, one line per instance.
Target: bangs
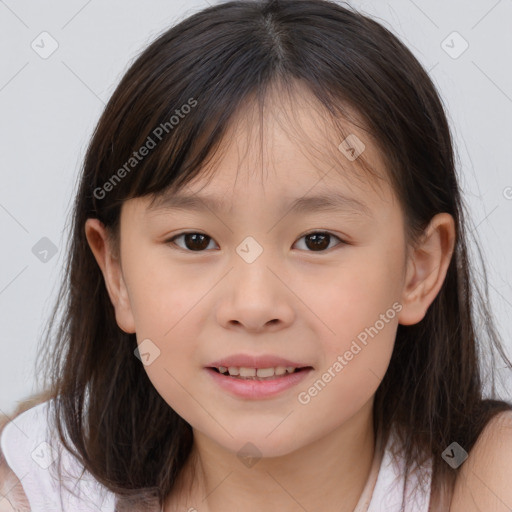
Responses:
[328,142]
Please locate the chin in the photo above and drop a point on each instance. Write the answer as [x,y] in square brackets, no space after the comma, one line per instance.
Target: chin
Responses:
[255,444]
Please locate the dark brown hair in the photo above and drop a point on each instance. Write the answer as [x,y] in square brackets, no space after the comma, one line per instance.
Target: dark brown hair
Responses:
[119,427]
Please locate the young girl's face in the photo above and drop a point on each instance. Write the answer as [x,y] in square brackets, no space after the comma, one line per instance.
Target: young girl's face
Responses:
[258,283]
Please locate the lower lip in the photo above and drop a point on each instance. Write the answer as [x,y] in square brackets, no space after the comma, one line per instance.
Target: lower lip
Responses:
[257,389]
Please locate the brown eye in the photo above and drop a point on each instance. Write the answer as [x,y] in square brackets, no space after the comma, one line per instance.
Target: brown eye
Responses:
[319,241]
[195,242]
[198,242]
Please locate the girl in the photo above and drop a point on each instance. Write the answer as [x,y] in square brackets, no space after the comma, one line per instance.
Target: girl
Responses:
[269,303]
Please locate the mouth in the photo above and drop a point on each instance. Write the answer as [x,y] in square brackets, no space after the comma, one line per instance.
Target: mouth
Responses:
[258,374]
[257,383]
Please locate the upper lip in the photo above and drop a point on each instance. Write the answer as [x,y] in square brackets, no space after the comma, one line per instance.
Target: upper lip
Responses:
[248,361]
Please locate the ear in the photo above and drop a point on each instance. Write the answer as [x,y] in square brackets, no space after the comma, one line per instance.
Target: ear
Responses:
[110,266]
[427,265]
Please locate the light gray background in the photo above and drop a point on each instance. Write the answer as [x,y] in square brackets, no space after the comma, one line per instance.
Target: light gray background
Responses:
[49,108]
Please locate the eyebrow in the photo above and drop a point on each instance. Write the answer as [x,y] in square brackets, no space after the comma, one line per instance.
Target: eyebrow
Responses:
[328,201]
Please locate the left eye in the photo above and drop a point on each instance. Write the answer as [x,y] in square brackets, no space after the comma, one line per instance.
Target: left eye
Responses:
[318,241]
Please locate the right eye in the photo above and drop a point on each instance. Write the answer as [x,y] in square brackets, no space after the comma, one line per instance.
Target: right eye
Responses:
[193,241]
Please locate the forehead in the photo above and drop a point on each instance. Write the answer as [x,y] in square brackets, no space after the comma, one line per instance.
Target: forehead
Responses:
[289,150]
[324,200]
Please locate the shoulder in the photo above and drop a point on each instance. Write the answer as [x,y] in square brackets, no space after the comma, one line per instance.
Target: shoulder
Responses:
[49,473]
[13,497]
[11,488]
[484,480]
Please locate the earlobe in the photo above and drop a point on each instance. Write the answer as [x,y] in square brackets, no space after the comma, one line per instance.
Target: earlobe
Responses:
[427,266]
[97,238]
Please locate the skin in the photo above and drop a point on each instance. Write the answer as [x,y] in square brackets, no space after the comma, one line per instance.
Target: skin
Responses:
[292,301]
[484,479]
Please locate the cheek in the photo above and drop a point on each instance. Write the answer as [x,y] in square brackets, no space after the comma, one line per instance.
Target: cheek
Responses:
[355,358]
[163,293]
[358,306]
[353,295]
[164,298]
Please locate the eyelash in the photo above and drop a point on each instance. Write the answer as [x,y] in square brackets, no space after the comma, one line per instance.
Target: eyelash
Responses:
[171,240]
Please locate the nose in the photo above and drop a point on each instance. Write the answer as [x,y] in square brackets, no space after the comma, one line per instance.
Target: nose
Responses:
[255,297]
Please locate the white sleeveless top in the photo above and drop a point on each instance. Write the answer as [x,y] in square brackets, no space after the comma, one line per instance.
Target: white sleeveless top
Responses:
[32,455]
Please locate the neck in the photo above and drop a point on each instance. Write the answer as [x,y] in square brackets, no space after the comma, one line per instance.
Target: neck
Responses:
[328,474]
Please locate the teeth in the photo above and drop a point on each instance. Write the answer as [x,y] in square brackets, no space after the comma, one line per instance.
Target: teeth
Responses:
[244,372]
[233,370]
[247,372]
